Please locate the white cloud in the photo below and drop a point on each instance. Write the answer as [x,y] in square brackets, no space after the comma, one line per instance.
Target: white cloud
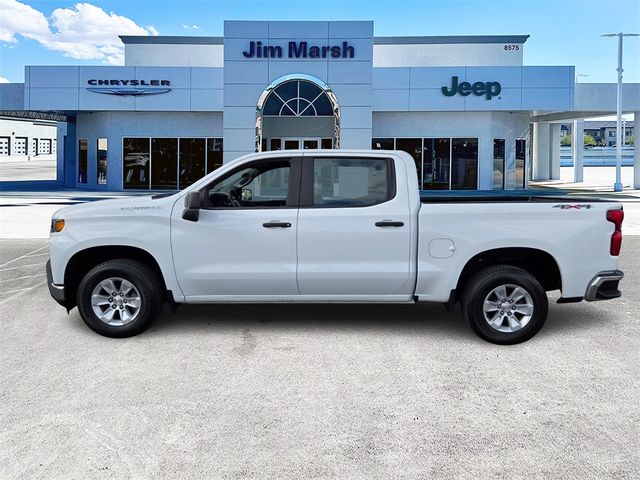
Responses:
[190,27]
[85,32]
[4,80]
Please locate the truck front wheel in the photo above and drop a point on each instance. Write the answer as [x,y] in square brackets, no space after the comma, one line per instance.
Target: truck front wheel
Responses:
[119,298]
[505,304]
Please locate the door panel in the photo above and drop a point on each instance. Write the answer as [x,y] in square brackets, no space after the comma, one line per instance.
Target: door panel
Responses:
[341,250]
[244,242]
[230,252]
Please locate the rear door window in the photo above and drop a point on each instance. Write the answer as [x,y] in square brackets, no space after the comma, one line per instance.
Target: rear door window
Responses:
[350,182]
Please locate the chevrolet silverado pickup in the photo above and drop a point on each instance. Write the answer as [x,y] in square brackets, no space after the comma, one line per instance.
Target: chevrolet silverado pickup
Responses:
[333,226]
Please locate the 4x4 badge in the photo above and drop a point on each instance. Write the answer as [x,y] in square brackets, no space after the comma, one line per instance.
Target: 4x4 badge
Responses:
[567,206]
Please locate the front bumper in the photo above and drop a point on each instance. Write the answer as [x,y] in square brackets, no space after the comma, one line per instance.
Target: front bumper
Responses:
[604,286]
[56,291]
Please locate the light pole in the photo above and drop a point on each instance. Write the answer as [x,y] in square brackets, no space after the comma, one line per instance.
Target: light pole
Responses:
[617,187]
[624,134]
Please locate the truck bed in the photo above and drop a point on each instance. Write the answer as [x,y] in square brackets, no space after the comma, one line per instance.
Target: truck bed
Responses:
[513,196]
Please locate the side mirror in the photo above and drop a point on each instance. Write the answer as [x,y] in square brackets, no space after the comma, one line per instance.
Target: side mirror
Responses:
[192,204]
[247,194]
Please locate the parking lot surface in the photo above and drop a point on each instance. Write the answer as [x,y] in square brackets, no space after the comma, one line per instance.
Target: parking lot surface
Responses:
[316,391]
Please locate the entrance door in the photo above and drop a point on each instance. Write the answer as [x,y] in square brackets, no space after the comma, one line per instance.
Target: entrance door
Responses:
[243,246]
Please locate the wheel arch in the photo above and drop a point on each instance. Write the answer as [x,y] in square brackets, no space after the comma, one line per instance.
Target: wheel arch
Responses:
[84,260]
[539,263]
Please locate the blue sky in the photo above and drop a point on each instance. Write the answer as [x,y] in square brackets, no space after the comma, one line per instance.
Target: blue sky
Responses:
[563,32]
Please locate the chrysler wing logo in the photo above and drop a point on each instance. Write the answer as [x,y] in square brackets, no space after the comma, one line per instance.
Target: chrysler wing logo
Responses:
[128,88]
[129,92]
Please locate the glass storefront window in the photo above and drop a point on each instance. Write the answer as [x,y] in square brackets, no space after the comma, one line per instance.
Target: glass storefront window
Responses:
[464,164]
[135,157]
[192,160]
[101,161]
[214,154]
[521,149]
[382,144]
[498,163]
[167,163]
[164,163]
[437,160]
[413,146]
[276,144]
[82,160]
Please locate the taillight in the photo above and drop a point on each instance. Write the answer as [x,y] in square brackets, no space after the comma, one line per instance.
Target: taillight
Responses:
[616,217]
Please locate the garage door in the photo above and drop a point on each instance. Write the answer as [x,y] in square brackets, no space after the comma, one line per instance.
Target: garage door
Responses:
[20,146]
[4,145]
[44,146]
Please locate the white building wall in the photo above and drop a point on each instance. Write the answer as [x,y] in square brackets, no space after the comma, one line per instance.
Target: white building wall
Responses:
[116,125]
[245,80]
[14,130]
[396,55]
[485,126]
[445,55]
[173,55]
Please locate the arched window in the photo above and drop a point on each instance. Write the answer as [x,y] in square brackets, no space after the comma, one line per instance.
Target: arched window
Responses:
[297,98]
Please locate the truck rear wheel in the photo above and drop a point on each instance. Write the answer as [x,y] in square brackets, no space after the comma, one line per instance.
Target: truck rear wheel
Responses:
[120,298]
[505,305]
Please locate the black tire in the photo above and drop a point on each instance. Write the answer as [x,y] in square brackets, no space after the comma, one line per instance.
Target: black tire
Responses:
[143,278]
[483,283]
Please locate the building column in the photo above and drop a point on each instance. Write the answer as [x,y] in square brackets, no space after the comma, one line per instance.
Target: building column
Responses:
[541,150]
[577,150]
[61,129]
[636,151]
[554,151]
[69,155]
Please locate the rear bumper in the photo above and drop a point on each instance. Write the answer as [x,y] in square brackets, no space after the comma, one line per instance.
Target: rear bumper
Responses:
[604,286]
[56,291]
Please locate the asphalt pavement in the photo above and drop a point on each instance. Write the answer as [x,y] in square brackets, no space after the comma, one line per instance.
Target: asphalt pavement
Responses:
[314,391]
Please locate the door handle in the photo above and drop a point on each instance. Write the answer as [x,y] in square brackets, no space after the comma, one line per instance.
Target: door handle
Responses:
[276,225]
[389,223]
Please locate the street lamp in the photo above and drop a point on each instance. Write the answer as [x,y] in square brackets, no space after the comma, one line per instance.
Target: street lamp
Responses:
[617,187]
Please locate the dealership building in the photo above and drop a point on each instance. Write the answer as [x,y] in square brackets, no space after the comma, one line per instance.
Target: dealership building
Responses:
[465,107]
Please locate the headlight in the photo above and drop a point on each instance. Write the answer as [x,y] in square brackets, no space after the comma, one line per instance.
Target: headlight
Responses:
[57,224]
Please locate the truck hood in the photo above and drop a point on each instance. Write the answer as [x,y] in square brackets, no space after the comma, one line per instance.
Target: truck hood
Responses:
[128,206]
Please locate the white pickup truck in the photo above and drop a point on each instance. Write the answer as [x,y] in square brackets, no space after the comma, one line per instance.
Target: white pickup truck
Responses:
[332,226]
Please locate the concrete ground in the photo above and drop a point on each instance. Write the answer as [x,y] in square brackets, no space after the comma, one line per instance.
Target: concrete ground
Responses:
[293,391]
[595,179]
[34,169]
